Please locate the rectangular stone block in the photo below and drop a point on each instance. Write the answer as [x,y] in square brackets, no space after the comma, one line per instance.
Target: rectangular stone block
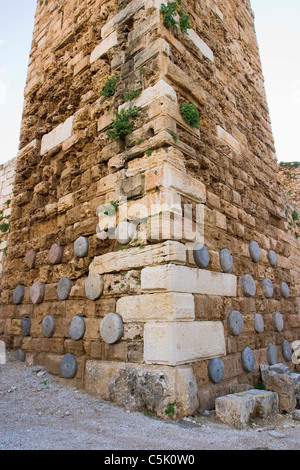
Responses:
[124,14]
[204,49]
[160,89]
[139,257]
[222,134]
[173,278]
[57,136]
[167,306]
[177,343]
[108,43]
[158,46]
[166,176]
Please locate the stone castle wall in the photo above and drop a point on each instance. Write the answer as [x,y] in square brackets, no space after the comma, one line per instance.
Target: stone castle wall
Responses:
[179,326]
[7,172]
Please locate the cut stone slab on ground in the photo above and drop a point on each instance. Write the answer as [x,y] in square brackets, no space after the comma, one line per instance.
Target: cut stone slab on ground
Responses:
[40,413]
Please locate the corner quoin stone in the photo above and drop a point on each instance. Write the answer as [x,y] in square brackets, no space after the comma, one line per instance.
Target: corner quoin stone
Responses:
[174,343]
[162,306]
[174,278]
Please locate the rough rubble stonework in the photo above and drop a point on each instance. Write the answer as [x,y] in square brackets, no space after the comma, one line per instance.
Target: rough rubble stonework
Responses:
[173,351]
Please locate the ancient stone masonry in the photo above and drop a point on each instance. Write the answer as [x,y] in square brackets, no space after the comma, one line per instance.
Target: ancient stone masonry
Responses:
[7,171]
[149,257]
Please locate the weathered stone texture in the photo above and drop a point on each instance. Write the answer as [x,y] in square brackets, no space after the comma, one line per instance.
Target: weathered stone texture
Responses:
[72,181]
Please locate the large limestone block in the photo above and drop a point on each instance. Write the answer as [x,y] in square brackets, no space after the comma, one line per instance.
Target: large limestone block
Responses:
[202,46]
[222,134]
[166,176]
[125,13]
[57,136]
[183,342]
[238,409]
[167,306]
[160,89]
[170,251]
[143,388]
[175,278]
[157,158]
[108,43]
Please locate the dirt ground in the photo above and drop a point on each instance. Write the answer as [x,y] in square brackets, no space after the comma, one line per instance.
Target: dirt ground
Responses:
[37,412]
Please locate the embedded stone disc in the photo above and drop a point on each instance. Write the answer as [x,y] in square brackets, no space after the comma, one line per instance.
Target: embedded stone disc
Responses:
[77,328]
[272,354]
[48,326]
[277,321]
[69,366]
[248,360]
[201,255]
[18,294]
[64,288]
[248,285]
[20,355]
[56,254]
[215,370]
[254,252]
[235,322]
[259,324]
[124,232]
[272,257]
[267,288]
[37,292]
[111,328]
[26,326]
[94,286]
[30,259]
[287,351]
[81,247]
[226,260]
[284,290]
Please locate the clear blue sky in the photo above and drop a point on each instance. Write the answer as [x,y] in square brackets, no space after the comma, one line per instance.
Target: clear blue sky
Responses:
[278,31]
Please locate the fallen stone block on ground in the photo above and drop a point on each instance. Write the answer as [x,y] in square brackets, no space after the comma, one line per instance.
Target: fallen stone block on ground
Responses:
[238,409]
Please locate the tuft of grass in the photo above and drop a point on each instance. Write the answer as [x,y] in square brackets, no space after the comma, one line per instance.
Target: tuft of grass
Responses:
[190,114]
[122,125]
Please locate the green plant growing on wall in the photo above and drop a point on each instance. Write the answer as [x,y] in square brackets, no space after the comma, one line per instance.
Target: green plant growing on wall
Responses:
[43,1]
[4,223]
[170,409]
[190,114]
[109,88]
[170,11]
[132,94]
[122,125]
